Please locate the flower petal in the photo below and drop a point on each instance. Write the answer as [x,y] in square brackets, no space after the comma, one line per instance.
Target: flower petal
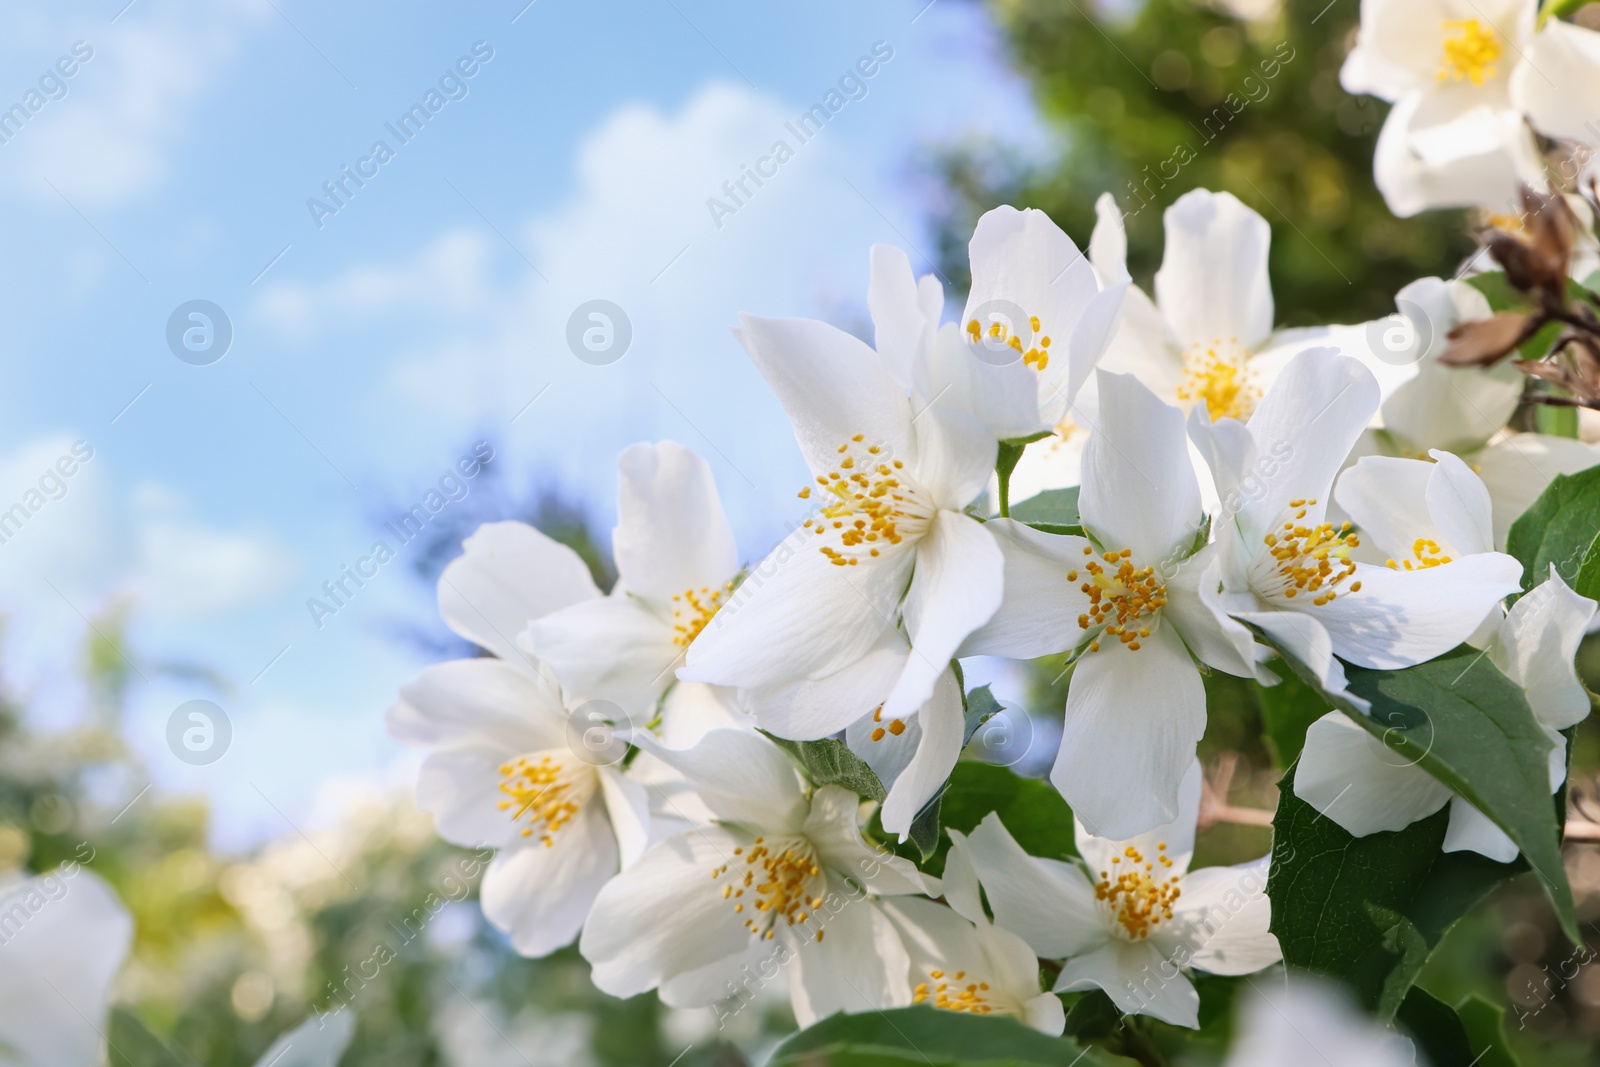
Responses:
[1470,830]
[1535,647]
[1387,498]
[832,385]
[508,575]
[955,588]
[671,534]
[814,708]
[1558,81]
[741,776]
[541,895]
[1024,259]
[1132,722]
[1355,780]
[1213,284]
[693,709]
[859,965]
[479,702]
[1039,607]
[1108,244]
[1133,975]
[610,648]
[1048,904]
[628,806]
[1476,157]
[942,725]
[1228,912]
[833,826]
[1174,839]
[1520,467]
[904,312]
[1139,489]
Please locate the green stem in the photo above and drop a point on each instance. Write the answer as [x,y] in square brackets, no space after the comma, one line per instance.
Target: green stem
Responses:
[1554,419]
[1004,463]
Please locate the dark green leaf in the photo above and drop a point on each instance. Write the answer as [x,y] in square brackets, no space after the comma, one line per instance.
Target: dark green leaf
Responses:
[1053,507]
[981,707]
[1288,709]
[1436,1028]
[1093,1017]
[1368,910]
[1031,809]
[1558,529]
[1469,726]
[924,1036]
[1486,1032]
[829,762]
[1494,287]
[131,1045]
[1588,580]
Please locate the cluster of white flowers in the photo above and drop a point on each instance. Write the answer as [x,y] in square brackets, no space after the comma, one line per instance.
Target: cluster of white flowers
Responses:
[1335,496]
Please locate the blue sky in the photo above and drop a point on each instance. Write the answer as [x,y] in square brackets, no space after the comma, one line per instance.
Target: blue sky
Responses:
[371,346]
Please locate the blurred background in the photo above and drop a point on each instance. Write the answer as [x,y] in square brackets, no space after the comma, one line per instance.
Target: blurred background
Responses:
[368,318]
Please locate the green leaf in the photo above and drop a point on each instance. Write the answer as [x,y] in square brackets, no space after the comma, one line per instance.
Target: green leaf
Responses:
[131,1045]
[1485,1024]
[1288,709]
[925,1036]
[1495,289]
[1588,581]
[981,707]
[1053,507]
[1469,726]
[1031,809]
[1368,910]
[1436,1027]
[829,762]
[1559,528]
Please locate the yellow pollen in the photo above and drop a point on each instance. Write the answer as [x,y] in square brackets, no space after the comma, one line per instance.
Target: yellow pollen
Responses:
[1138,900]
[1035,356]
[1471,53]
[1119,594]
[1219,374]
[1427,554]
[968,998]
[1313,560]
[543,794]
[693,608]
[869,503]
[778,877]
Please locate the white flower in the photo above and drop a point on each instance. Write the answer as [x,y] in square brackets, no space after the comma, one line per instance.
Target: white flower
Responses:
[510,769]
[1308,1021]
[1289,571]
[1036,321]
[63,937]
[1364,786]
[889,542]
[676,565]
[1463,75]
[1132,917]
[1136,706]
[781,879]
[972,966]
[1463,410]
[912,756]
[1206,337]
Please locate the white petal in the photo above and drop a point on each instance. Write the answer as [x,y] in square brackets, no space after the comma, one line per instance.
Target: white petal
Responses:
[1402,618]
[939,941]
[66,937]
[834,828]
[1139,489]
[1108,245]
[1470,830]
[1046,1014]
[1091,339]
[1460,506]
[956,587]
[1475,158]
[479,702]
[1558,82]
[962,890]
[890,753]
[741,776]
[900,326]
[1132,722]
[1227,912]
[320,1041]
[1173,839]
[798,616]
[832,385]
[859,965]
[541,895]
[1307,640]
[954,454]
[628,806]
[1049,904]
[671,534]
[665,916]
[460,788]
[1387,498]
[814,708]
[1535,647]
[942,725]
[1024,259]
[1137,979]
[1311,1022]
[1305,426]
[1361,784]
[1196,608]
[1039,608]
[1520,467]
[995,387]
[1213,282]
[693,709]
[508,575]
[611,648]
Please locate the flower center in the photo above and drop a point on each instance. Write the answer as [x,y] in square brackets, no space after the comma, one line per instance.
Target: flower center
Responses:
[1426,553]
[1219,374]
[895,727]
[692,609]
[998,332]
[1120,595]
[949,993]
[1470,54]
[543,795]
[775,880]
[868,504]
[1312,559]
[1139,897]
